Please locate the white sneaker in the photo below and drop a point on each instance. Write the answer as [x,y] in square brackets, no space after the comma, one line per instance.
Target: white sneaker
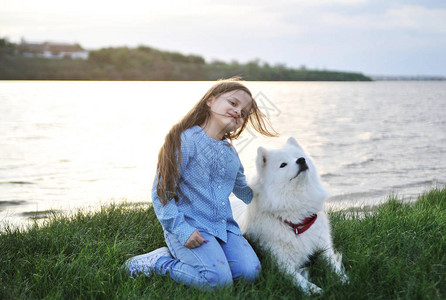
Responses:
[145,263]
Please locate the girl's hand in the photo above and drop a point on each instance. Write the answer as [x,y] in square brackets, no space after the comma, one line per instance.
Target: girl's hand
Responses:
[195,240]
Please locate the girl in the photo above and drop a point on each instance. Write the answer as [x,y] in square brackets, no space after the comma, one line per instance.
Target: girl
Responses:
[197,171]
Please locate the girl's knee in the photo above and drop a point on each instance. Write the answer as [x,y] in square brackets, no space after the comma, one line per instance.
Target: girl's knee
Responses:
[253,272]
[248,272]
[219,278]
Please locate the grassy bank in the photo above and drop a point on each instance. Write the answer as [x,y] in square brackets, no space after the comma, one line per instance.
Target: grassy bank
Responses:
[393,251]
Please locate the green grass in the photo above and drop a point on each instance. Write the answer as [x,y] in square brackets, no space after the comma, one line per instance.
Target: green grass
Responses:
[397,250]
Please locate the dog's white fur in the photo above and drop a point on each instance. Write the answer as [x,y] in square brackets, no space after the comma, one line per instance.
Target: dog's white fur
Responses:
[279,195]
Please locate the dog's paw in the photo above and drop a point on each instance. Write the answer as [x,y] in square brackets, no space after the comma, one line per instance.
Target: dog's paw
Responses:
[306,286]
[313,289]
[344,278]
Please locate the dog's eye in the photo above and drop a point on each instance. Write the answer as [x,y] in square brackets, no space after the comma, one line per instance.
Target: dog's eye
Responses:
[283,165]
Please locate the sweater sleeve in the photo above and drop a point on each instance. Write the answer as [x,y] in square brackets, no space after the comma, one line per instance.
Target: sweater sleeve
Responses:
[169,216]
[241,188]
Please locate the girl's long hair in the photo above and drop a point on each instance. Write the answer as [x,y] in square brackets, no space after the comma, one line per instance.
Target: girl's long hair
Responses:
[169,157]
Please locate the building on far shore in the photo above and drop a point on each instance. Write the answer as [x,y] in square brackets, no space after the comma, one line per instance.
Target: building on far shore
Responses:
[52,50]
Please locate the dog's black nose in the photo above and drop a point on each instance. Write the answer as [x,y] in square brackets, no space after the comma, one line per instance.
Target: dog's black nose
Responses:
[301,161]
[302,164]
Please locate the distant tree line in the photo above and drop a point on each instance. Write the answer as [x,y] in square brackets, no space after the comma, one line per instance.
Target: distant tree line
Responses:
[146,63]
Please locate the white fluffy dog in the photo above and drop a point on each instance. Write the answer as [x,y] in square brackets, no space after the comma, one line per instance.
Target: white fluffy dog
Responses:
[286,215]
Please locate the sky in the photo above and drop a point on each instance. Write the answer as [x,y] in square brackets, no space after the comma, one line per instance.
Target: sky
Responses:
[374,37]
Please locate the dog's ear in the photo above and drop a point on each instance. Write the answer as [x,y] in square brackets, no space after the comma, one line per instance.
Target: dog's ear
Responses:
[262,156]
[292,141]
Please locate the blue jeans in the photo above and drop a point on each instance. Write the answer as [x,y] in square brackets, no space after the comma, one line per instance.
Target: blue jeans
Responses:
[214,264]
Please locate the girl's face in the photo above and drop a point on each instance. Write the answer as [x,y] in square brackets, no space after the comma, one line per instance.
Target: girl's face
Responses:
[229,110]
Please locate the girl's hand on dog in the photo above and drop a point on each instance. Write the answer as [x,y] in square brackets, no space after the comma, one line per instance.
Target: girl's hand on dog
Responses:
[195,240]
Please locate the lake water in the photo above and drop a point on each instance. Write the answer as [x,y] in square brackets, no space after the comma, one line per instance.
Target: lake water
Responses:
[68,145]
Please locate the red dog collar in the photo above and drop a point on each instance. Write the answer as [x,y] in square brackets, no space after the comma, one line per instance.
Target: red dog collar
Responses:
[302,227]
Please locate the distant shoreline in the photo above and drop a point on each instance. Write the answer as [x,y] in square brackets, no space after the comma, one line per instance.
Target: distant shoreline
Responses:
[406,78]
[148,64]
[55,61]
